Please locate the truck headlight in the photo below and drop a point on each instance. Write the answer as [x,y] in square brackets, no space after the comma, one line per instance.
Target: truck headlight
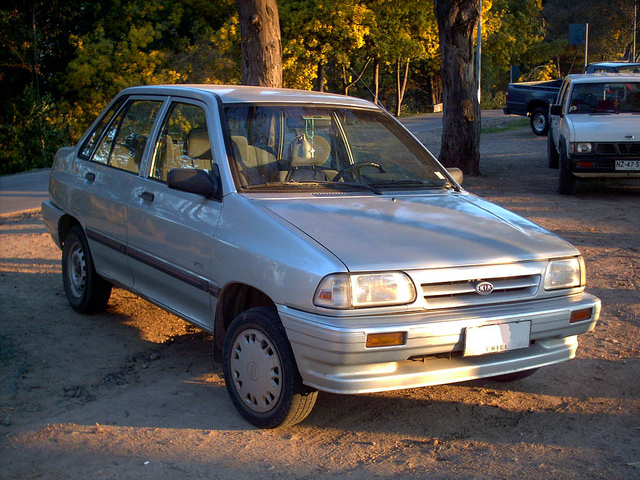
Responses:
[582,148]
[565,273]
[343,290]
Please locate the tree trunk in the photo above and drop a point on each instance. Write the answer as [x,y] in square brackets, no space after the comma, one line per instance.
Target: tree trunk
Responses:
[321,77]
[401,84]
[261,42]
[457,20]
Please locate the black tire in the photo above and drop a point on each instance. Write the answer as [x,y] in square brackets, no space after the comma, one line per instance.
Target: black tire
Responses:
[86,291]
[260,371]
[512,377]
[539,121]
[567,181]
[552,153]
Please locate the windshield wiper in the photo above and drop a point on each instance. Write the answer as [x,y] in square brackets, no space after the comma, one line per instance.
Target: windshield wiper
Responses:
[407,184]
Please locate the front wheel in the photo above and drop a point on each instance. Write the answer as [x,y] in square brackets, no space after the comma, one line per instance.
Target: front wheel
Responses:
[552,153]
[539,122]
[260,371]
[86,291]
[567,181]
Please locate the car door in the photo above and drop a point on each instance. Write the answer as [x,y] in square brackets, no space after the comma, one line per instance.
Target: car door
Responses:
[108,167]
[170,231]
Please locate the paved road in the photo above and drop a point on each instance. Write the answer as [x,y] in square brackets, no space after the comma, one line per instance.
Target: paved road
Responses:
[23,191]
[26,191]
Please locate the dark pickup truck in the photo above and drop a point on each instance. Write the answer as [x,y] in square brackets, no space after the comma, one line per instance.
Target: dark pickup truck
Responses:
[532,99]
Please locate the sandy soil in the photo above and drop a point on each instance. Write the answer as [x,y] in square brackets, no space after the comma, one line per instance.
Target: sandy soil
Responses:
[134,392]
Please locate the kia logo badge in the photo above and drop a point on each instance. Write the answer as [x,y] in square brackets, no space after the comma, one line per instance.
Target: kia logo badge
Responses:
[484,288]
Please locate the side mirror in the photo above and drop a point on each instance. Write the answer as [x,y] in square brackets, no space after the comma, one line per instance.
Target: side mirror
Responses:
[456,174]
[196,181]
[555,110]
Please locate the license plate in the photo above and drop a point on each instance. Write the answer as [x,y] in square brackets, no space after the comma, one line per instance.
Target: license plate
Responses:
[628,165]
[498,338]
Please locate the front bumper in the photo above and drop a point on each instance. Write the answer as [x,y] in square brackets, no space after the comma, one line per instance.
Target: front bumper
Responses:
[331,352]
[596,166]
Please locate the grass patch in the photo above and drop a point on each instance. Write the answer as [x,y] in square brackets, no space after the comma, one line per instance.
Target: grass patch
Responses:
[506,127]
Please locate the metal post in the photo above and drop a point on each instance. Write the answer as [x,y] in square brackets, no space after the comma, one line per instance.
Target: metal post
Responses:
[586,45]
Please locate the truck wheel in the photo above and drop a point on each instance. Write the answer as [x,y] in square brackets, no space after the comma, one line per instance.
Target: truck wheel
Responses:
[552,153]
[260,371]
[539,122]
[86,291]
[567,180]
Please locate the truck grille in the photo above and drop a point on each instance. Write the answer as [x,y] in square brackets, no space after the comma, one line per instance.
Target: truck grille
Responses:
[463,293]
[628,148]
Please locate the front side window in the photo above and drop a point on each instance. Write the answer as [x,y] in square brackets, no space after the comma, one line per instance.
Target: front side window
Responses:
[124,142]
[183,142]
[327,148]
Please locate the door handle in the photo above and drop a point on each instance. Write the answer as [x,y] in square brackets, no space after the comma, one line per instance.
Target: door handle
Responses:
[90,176]
[148,196]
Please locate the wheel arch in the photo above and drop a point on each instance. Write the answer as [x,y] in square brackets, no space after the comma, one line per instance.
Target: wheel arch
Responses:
[64,225]
[234,299]
[535,104]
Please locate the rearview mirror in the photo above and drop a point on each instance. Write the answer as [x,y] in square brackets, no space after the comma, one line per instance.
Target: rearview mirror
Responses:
[456,174]
[555,110]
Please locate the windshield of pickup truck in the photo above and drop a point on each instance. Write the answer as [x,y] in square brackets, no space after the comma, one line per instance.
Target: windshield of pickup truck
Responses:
[280,147]
[598,98]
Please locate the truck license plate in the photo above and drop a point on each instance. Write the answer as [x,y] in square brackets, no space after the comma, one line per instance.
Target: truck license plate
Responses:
[633,165]
[498,338]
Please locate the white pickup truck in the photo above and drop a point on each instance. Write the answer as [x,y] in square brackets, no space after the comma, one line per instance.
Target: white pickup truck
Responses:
[595,129]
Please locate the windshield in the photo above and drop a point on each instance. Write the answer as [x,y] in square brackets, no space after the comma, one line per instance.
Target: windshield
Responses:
[605,98]
[277,147]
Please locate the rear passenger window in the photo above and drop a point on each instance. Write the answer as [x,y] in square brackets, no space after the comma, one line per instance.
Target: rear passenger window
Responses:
[183,141]
[124,142]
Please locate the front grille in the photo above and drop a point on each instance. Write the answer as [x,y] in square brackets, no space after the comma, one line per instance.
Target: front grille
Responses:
[622,149]
[463,293]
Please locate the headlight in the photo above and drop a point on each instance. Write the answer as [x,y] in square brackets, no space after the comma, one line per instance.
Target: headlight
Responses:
[566,273]
[582,147]
[343,290]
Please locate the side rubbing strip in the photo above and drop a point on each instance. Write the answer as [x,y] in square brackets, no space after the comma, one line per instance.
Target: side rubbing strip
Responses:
[159,265]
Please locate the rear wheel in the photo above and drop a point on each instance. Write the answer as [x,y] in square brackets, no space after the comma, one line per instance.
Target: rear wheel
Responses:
[539,122]
[260,371]
[86,291]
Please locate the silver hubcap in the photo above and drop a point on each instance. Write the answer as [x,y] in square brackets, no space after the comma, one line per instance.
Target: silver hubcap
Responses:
[538,122]
[257,370]
[77,270]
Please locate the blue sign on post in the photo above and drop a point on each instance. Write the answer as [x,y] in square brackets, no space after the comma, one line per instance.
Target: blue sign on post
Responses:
[576,33]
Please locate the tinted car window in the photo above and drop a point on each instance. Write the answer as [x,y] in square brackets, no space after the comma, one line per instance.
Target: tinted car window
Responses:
[123,144]
[183,142]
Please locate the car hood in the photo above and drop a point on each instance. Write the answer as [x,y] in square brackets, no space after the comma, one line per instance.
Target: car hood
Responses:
[615,127]
[370,233]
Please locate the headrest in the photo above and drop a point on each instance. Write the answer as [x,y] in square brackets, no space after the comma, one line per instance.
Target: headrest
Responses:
[309,152]
[197,143]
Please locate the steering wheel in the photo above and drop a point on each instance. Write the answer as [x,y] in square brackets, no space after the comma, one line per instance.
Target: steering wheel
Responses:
[357,167]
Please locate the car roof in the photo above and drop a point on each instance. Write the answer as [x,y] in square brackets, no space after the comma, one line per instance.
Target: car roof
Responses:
[248,94]
[603,77]
[615,64]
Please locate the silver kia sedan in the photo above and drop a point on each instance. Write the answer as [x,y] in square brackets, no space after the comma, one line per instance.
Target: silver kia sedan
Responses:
[321,244]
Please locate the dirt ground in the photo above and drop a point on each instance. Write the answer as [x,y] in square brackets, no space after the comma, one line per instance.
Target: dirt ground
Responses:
[134,392]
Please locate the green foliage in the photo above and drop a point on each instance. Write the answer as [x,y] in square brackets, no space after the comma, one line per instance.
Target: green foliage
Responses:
[58,74]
